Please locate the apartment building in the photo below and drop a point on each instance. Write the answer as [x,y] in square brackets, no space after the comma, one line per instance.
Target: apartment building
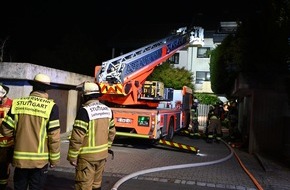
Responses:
[197,59]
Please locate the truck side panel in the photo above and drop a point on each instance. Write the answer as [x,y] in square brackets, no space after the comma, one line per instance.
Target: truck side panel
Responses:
[146,123]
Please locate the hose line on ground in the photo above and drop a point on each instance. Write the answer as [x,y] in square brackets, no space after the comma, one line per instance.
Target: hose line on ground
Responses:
[142,172]
[254,180]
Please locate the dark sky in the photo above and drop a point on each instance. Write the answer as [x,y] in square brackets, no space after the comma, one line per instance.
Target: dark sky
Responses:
[48,26]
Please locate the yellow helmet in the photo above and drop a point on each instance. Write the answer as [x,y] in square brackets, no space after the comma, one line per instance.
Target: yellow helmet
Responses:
[90,88]
[42,78]
[41,82]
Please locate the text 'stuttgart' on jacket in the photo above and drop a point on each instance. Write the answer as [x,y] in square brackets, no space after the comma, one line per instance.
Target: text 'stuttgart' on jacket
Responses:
[34,121]
[93,132]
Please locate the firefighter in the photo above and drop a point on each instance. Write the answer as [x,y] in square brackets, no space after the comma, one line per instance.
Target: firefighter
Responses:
[194,119]
[6,143]
[91,138]
[214,129]
[195,124]
[34,123]
[209,114]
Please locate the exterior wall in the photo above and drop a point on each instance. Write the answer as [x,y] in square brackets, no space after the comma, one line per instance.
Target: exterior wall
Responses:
[60,98]
[267,125]
[26,71]
[73,102]
[16,91]
[263,113]
[17,76]
[183,60]
[188,59]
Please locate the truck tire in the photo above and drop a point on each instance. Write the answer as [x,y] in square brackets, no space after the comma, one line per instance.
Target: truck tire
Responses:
[170,133]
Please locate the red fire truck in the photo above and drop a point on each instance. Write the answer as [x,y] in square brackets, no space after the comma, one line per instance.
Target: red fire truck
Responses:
[145,109]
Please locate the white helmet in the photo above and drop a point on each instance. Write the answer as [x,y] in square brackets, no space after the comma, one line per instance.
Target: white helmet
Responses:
[90,88]
[3,92]
[42,78]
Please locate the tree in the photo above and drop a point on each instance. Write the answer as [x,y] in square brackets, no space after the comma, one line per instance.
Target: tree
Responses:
[208,99]
[172,77]
[258,50]
[223,69]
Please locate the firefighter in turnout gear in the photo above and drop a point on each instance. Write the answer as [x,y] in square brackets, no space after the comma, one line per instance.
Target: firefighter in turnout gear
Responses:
[214,128]
[34,123]
[6,143]
[194,119]
[91,138]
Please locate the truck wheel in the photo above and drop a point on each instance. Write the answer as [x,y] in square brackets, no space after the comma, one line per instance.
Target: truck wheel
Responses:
[170,133]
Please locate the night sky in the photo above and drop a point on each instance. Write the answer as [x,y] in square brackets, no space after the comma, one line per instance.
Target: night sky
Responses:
[77,35]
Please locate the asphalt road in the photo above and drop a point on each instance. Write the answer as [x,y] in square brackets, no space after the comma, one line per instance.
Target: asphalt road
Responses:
[140,165]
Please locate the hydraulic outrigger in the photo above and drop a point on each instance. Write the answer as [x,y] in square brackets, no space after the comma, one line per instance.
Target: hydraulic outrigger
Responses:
[179,146]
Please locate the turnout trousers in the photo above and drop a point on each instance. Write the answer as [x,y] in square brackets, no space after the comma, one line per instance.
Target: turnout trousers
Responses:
[89,174]
[214,129]
[5,160]
[34,178]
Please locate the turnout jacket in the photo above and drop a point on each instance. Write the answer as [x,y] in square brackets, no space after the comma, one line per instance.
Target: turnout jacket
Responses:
[33,121]
[93,132]
[4,108]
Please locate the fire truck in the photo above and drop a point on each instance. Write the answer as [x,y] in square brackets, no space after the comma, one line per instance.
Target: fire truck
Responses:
[141,108]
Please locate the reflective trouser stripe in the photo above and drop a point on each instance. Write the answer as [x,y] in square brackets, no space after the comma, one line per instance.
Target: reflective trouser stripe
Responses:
[3,181]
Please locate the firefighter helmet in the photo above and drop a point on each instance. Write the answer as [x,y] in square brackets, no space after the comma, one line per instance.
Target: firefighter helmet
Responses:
[90,88]
[3,90]
[42,78]
[41,82]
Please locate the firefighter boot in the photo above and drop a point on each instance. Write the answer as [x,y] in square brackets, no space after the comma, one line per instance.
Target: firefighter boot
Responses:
[218,138]
[210,137]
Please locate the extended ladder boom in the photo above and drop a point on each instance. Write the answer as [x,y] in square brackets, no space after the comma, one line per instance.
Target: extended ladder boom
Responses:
[124,75]
[121,69]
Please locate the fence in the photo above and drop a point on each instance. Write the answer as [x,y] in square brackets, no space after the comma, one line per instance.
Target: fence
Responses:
[203,110]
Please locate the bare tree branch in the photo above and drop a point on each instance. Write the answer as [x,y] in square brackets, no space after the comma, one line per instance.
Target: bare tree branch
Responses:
[2,46]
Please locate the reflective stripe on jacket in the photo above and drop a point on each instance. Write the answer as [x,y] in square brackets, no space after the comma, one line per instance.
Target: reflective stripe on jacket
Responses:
[90,139]
[36,127]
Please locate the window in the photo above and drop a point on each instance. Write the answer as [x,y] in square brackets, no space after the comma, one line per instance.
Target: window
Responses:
[202,76]
[203,52]
[174,59]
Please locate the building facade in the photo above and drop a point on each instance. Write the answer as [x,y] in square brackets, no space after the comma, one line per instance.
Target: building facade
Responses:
[197,59]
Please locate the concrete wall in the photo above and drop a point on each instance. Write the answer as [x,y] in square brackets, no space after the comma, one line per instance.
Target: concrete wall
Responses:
[17,76]
[27,71]
[264,117]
